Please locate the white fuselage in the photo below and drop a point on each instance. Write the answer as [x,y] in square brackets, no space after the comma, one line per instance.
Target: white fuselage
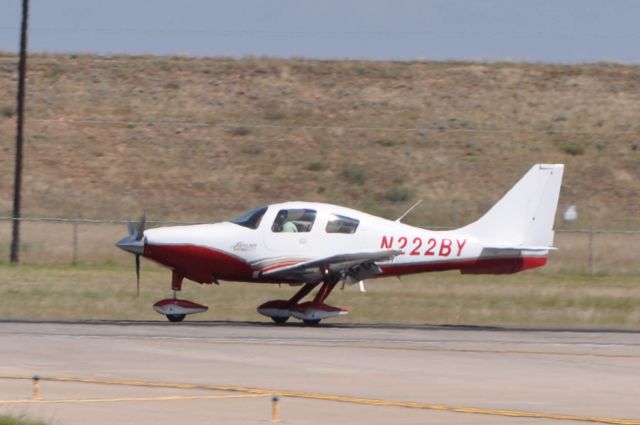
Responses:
[236,252]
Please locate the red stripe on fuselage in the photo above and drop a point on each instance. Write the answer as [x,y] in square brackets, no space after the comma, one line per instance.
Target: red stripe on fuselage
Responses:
[281,265]
[199,263]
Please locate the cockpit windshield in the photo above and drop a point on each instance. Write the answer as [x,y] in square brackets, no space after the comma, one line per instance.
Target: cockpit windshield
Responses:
[251,219]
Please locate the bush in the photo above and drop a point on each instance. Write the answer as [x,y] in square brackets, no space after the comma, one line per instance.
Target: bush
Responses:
[252,150]
[240,131]
[317,166]
[274,115]
[354,175]
[572,147]
[398,194]
[389,142]
[8,111]
[55,72]
[560,116]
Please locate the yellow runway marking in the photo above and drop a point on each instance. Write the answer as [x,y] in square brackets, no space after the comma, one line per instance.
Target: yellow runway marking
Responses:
[338,398]
[118,399]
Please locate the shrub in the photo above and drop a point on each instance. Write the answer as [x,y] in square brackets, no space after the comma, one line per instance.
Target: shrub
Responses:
[398,194]
[389,142]
[354,175]
[240,131]
[274,115]
[317,166]
[572,147]
[560,116]
[252,150]
[8,111]
[55,72]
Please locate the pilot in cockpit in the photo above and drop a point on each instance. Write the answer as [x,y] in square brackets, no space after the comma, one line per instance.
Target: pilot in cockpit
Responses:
[282,224]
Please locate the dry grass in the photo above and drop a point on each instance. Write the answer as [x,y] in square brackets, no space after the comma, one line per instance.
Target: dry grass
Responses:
[527,299]
[171,144]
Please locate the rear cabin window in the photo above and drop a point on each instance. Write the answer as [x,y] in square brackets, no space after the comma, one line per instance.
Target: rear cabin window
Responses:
[341,224]
[294,220]
[250,219]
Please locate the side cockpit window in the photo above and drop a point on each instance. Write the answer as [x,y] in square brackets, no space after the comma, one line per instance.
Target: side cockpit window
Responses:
[294,220]
[250,219]
[341,224]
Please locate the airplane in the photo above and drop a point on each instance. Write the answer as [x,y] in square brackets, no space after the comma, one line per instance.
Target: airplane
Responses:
[311,244]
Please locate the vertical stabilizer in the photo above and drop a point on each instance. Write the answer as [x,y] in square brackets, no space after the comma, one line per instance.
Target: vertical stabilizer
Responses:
[525,215]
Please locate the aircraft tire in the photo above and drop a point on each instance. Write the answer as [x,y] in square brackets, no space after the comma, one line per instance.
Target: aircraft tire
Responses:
[311,322]
[280,320]
[176,317]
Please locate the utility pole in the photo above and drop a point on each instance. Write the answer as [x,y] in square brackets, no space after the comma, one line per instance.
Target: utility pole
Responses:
[22,70]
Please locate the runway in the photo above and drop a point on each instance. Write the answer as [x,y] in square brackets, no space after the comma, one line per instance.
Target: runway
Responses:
[222,372]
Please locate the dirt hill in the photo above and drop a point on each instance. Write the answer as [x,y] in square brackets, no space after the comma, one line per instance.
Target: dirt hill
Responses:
[205,139]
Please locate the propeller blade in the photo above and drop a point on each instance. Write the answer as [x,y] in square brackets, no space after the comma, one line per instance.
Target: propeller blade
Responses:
[131,228]
[137,275]
[141,226]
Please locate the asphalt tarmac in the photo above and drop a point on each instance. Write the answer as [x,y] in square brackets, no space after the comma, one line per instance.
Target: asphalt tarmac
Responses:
[220,372]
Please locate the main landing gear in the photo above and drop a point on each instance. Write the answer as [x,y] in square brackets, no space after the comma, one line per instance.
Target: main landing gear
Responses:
[310,312]
[175,309]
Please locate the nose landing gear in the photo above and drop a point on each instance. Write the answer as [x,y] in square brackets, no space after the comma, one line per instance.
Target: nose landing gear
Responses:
[176,309]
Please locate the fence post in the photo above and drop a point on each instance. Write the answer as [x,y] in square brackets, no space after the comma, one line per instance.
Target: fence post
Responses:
[592,270]
[74,260]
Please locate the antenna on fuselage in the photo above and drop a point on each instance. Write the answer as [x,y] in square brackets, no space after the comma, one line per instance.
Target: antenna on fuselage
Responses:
[409,210]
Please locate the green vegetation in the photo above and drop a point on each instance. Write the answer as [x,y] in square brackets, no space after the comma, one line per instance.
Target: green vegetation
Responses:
[274,115]
[398,194]
[317,166]
[7,111]
[55,72]
[173,85]
[354,175]
[20,420]
[388,143]
[572,147]
[240,131]
[252,149]
[525,299]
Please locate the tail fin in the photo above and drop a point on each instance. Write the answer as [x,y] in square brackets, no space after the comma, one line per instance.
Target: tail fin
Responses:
[524,216]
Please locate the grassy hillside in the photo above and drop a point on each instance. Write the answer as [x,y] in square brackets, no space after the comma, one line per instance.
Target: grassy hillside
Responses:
[204,139]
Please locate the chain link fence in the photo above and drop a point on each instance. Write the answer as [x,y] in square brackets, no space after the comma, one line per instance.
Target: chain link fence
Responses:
[82,241]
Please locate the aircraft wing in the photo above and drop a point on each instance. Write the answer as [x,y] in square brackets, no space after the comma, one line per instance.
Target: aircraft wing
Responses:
[358,265]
